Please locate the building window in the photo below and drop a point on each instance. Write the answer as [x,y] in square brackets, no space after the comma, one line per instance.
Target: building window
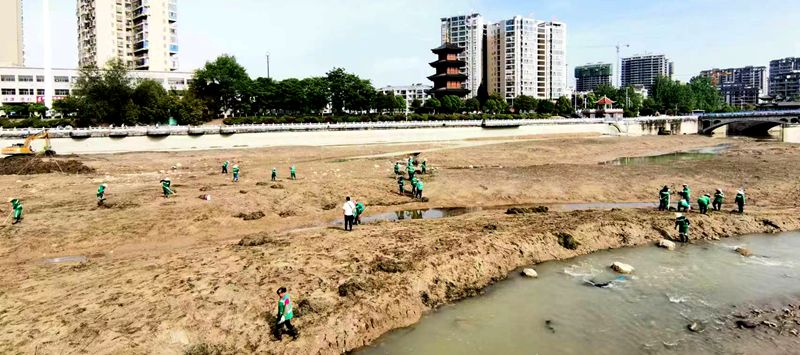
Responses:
[25,78]
[26,92]
[61,79]
[7,78]
[40,92]
[8,91]
[40,78]
[62,92]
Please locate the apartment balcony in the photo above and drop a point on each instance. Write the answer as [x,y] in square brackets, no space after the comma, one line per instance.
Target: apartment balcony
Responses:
[173,48]
[173,16]
[141,46]
[143,12]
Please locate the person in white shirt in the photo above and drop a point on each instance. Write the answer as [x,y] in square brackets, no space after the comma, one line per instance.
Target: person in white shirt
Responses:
[348,208]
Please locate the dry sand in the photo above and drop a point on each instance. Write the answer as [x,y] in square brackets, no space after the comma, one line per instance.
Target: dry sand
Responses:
[169,276]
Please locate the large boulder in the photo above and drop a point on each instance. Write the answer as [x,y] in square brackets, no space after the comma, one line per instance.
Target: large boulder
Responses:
[743,251]
[622,268]
[530,273]
[666,244]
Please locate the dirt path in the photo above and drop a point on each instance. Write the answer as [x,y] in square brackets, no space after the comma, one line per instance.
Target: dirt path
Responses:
[164,275]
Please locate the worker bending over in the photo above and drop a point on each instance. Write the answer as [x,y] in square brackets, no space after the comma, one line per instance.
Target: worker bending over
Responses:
[16,207]
[719,198]
[703,203]
[360,207]
[101,193]
[682,225]
[663,199]
[419,187]
[166,187]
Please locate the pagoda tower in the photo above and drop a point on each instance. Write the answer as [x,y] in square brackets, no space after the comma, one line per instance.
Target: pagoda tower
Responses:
[448,79]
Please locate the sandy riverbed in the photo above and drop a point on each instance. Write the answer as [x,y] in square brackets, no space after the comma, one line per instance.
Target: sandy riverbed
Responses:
[162,276]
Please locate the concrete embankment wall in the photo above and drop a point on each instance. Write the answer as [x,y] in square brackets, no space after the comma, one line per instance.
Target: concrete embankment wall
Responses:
[137,139]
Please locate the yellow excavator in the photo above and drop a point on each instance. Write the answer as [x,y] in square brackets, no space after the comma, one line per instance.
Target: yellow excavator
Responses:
[24,149]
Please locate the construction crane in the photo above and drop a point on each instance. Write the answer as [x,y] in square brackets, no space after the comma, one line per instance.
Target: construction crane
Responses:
[24,148]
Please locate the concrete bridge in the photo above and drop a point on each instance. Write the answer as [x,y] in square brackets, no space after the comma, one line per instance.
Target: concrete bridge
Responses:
[754,123]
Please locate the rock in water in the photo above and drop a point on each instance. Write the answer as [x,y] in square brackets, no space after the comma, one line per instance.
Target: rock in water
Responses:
[666,244]
[696,327]
[530,273]
[622,268]
[745,324]
[743,251]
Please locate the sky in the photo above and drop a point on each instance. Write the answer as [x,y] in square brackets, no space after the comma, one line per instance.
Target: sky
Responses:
[389,42]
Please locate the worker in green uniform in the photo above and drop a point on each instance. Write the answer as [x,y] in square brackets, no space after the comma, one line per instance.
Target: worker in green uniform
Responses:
[683,205]
[293,172]
[360,207]
[235,173]
[682,225]
[663,199]
[424,166]
[166,187]
[719,198]
[397,168]
[740,200]
[225,167]
[419,187]
[410,161]
[285,315]
[16,210]
[414,187]
[703,203]
[401,184]
[687,192]
[411,171]
[274,174]
[101,193]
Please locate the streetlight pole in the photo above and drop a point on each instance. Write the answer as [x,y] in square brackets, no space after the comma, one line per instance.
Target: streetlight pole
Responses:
[268,77]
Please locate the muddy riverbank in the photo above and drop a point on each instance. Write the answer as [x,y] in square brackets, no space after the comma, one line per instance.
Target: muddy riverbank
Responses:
[149,275]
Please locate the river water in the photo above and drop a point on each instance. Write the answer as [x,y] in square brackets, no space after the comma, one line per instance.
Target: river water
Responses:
[647,312]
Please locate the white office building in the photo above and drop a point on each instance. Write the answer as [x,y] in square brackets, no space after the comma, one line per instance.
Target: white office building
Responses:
[468,32]
[141,33]
[11,33]
[408,93]
[19,85]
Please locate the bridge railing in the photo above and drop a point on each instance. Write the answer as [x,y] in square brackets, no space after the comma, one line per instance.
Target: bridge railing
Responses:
[771,113]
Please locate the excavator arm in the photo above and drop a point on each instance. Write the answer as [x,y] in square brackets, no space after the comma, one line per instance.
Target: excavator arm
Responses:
[25,148]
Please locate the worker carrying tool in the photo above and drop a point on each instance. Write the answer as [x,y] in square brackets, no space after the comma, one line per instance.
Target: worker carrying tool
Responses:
[360,207]
[401,184]
[285,315]
[225,167]
[166,187]
[703,203]
[740,200]
[397,168]
[293,173]
[235,173]
[274,174]
[424,166]
[663,198]
[419,189]
[719,198]
[682,225]
[16,210]
[101,193]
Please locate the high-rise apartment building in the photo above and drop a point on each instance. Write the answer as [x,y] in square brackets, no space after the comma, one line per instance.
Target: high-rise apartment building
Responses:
[468,32]
[590,76]
[784,78]
[644,69]
[141,33]
[11,33]
[526,57]
[739,86]
[512,48]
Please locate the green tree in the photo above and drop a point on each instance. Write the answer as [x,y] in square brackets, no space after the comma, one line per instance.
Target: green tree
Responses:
[433,105]
[649,107]
[705,95]
[400,104]
[222,85]
[151,102]
[289,96]
[630,101]
[105,95]
[186,109]
[68,106]
[605,90]
[385,102]
[472,105]
[316,94]
[264,96]
[349,92]
[416,104]
[452,104]
[524,103]
[546,107]
[564,107]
